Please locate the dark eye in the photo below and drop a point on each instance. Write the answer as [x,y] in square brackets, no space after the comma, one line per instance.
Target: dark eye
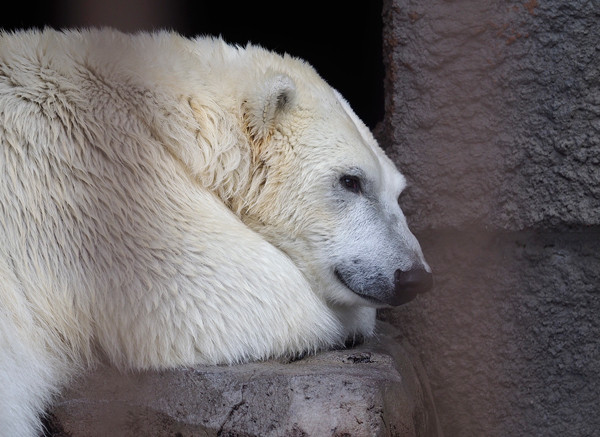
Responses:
[351,183]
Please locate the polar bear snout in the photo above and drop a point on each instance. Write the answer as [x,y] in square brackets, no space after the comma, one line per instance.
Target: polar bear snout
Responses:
[407,284]
[379,289]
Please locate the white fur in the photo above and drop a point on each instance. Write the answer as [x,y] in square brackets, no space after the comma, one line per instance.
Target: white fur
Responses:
[167,202]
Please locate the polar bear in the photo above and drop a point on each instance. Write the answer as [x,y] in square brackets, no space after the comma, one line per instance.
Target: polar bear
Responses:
[169,201]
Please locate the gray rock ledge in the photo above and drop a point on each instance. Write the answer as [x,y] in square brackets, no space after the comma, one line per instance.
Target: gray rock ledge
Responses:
[376,389]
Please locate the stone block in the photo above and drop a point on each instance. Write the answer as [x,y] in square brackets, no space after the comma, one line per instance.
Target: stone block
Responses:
[509,336]
[376,389]
[493,111]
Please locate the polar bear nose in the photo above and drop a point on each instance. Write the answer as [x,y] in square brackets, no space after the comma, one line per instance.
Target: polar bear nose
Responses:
[410,283]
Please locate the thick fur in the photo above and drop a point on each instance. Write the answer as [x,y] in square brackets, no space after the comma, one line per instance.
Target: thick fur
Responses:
[168,202]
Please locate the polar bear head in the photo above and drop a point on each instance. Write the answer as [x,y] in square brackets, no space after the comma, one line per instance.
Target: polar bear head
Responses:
[325,193]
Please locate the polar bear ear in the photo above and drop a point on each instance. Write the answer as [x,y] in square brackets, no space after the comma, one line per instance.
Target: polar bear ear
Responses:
[266,103]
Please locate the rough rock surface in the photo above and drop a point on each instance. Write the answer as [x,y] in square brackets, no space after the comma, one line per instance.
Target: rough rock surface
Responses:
[375,389]
[501,101]
[493,113]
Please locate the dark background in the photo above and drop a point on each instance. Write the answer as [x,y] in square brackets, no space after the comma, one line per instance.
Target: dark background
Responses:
[340,39]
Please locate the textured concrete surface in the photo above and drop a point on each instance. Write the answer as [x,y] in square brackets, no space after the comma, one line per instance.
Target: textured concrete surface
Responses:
[510,336]
[376,389]
[502,101]
[493,113]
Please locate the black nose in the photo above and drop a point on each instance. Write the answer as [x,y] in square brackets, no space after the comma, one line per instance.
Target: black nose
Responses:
[410,283]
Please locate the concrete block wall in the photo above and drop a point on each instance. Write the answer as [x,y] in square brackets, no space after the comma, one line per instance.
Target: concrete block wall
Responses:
[493,114]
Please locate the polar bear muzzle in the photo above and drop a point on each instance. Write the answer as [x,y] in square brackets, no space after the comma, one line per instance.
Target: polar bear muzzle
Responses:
[377,289]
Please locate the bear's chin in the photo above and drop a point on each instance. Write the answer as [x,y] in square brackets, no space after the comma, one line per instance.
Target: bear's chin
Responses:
[370,300]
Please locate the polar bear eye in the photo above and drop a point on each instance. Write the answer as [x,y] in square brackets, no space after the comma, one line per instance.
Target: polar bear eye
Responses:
[351,183]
